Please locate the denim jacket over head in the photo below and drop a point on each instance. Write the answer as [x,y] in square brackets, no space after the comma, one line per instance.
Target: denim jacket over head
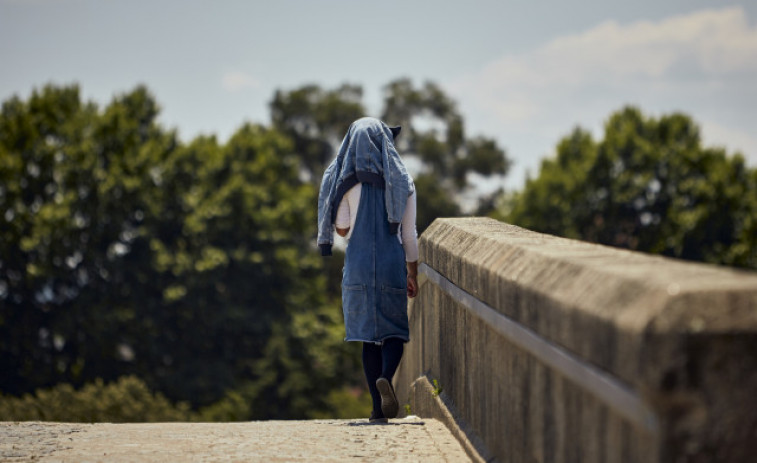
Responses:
[366,155]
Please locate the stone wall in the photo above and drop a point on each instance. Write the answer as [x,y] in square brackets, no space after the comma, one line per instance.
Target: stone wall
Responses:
[548,349]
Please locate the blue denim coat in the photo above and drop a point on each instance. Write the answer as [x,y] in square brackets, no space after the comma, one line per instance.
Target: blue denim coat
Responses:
[374,280]
[366,155]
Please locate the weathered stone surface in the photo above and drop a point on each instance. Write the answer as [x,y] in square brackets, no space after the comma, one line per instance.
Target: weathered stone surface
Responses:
[406,440]
[683,336]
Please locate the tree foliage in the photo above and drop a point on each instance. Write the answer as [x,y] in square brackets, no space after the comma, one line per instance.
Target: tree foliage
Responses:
[132,262]
[649,185]
[433,134]
[126,400]
[447,154]
[125,251]
[316,119]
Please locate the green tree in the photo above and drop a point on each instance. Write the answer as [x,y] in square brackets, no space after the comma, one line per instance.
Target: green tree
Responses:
[235,262]
[649,185]
[442,146]
[125,251]
[433,133]
[73,183]
[125,400]
[316,119]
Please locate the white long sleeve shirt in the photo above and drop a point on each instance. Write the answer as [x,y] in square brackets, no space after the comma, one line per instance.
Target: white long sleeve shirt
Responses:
[408,236]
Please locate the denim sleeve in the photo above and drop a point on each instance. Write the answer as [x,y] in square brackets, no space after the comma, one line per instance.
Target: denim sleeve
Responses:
[397,182]
[325,206]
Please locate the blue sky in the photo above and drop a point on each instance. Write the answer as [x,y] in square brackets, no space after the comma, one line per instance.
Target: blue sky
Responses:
[523,72]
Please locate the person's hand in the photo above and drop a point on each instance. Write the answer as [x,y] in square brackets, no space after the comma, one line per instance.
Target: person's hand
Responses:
[412,286]
[412,279]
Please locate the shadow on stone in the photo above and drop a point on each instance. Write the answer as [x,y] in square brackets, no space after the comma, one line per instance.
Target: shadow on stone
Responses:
[394,423]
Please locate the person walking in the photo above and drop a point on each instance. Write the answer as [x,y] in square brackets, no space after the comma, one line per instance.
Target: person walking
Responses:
[368,197]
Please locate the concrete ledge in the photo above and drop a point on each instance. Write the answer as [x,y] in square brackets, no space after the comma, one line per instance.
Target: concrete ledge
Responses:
[681,337]
[434,404]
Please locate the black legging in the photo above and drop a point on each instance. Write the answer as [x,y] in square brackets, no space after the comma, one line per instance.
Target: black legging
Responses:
[381,361]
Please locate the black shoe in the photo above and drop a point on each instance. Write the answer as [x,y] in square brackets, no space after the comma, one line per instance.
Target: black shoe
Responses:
[389,404]
[377,417]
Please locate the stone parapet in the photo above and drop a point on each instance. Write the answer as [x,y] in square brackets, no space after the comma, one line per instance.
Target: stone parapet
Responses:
[551,349]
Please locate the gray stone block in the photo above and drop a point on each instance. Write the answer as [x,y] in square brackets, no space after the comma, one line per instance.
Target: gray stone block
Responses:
[680,338]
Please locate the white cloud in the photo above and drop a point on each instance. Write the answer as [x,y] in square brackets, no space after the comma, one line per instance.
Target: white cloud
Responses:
[715,41]
[235,81]
[711,42]
[703,63]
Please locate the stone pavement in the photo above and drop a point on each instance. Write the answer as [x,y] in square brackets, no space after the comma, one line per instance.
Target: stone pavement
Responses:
[401,440]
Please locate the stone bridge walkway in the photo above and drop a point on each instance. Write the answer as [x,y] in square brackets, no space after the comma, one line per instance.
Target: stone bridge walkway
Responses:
[403,440]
